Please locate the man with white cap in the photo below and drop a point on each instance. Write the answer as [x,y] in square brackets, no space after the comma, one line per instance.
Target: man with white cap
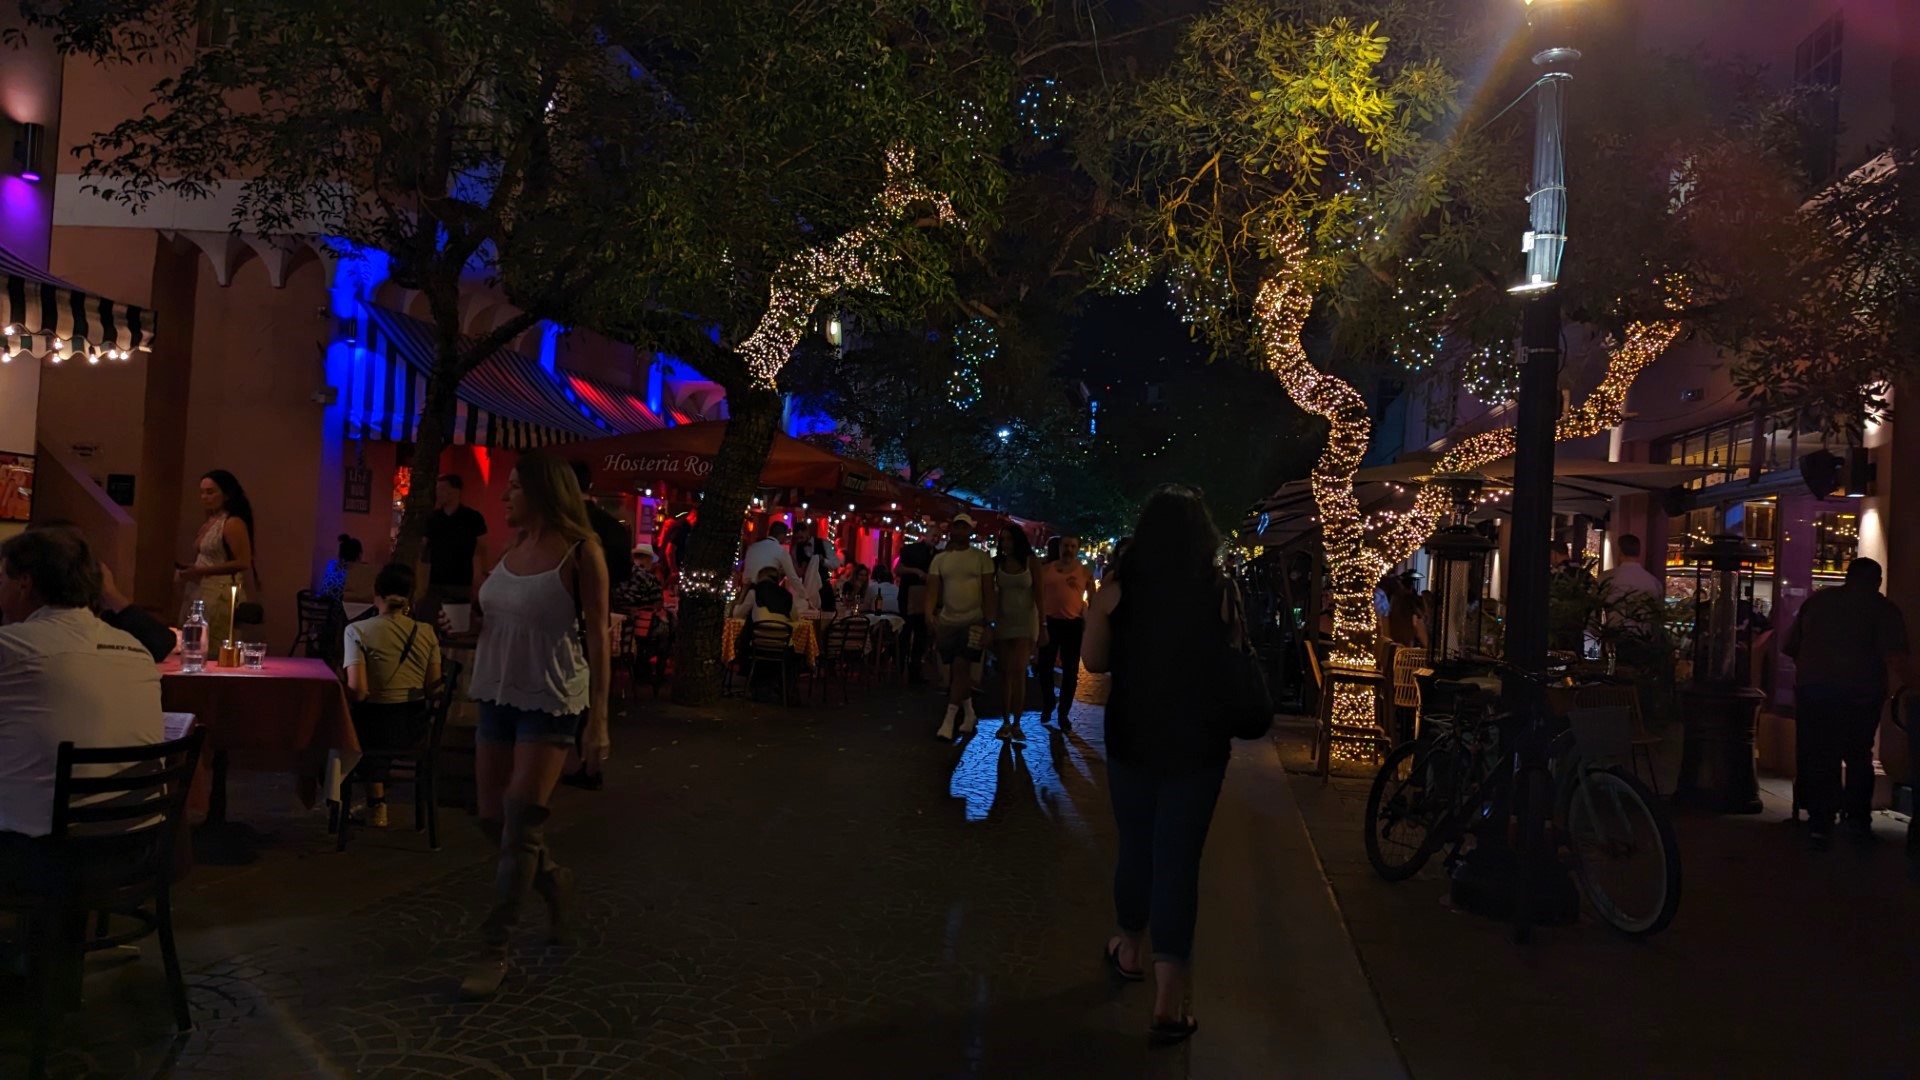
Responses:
[961,605]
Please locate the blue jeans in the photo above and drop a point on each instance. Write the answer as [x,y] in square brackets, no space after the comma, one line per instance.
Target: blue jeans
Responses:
[507,724]
[1162,819]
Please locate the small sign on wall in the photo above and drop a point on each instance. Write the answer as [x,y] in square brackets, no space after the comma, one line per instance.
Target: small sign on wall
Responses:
[120,488]
[358,498]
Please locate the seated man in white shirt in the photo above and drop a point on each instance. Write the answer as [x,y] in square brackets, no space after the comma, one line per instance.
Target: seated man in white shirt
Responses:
[65,676]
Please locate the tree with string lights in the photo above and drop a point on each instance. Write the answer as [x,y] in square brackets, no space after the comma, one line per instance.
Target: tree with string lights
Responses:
[1319,189]
[827,159]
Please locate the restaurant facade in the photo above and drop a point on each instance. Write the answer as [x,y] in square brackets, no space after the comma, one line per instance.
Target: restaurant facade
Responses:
[295,363]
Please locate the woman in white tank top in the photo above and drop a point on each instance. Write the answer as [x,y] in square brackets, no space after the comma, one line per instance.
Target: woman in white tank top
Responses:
[540,677]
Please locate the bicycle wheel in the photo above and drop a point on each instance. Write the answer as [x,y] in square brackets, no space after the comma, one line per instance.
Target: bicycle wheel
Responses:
[1625,855]
[1401,809]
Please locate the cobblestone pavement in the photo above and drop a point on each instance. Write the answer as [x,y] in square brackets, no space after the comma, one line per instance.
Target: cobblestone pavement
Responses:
[815,893]
[1780,963]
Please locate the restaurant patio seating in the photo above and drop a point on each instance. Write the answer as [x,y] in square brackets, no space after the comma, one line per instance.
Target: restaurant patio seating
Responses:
[109,852]
[416,765]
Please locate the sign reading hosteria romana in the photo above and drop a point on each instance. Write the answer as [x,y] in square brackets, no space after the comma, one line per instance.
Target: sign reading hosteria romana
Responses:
[687,464]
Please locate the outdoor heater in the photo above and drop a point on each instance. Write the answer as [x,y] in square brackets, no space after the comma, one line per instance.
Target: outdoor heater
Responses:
[1458,571]
[1716,763]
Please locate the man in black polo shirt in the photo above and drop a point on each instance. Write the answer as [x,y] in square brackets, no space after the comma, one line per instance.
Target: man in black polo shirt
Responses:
[455,553]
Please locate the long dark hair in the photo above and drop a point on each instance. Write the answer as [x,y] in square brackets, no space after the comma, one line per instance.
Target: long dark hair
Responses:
[1173,545]
[1019,551]
[238,505]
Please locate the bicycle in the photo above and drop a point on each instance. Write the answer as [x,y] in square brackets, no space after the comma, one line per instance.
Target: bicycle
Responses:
[1461,779]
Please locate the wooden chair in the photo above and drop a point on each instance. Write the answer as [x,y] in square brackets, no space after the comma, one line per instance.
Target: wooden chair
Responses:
[417,765]
[645,651]
[883,652]
[1406,692]
[109,852]
[322,625]
[770,642]
[843,651]
[1626,696]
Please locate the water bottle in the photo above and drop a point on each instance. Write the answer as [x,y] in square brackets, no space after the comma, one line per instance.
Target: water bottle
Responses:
[193,639]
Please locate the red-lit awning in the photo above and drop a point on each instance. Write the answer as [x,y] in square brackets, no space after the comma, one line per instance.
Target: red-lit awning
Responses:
[621,408]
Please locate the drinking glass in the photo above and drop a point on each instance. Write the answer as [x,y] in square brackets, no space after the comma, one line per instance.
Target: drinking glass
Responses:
[253,655]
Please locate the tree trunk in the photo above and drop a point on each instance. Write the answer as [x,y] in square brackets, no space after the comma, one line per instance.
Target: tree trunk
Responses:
[714,544]
[436,421]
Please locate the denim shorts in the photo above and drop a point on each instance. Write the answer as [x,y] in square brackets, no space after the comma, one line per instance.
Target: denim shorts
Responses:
[508,724]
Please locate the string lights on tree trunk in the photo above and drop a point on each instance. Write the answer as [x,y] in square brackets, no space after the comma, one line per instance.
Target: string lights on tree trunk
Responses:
[1360,550]
[854,261]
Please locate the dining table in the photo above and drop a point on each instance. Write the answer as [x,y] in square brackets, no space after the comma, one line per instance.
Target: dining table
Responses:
[289,716]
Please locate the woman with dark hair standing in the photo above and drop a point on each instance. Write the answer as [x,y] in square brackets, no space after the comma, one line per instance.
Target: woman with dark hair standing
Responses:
[1156,629]
[1015,577]
[540,676]
[222,555]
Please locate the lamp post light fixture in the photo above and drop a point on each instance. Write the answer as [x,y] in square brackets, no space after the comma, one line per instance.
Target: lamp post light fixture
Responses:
[1539,399]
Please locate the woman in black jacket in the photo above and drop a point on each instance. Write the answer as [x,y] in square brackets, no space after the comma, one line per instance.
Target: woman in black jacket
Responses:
[1158,629]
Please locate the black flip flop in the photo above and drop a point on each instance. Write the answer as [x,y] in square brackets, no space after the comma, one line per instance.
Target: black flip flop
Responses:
[1112,954]
[1172,1032]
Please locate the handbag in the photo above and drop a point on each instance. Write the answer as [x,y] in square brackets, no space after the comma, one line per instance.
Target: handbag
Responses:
[1243,706]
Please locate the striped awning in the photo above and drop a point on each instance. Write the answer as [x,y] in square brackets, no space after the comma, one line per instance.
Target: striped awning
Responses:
[626,412]
[509,402]
[43,316]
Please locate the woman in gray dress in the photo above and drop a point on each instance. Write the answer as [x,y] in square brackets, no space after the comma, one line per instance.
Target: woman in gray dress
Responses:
[1020,625]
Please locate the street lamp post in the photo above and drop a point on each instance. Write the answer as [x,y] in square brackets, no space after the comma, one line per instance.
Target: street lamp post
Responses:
[1539,404]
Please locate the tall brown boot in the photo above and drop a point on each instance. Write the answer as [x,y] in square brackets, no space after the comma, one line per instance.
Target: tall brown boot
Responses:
[522,848]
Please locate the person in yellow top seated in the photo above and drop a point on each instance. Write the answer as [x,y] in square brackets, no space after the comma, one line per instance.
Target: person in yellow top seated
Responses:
[392,659]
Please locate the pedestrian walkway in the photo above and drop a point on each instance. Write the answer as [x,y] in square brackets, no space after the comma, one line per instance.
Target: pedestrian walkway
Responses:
[1781,963]
[811,893]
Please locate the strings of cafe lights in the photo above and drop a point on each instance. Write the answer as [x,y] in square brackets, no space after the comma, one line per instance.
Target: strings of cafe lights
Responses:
[1424,337]
[975,344]
[1489,373]
[57,349]
[1042,108]
[853,261]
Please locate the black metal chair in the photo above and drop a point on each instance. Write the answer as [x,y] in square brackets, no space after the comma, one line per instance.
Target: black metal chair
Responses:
[417,765]
[323,621]
[770,641]
[109,852]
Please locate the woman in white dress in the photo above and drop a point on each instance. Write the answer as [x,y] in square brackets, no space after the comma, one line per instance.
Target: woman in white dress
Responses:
[222,567]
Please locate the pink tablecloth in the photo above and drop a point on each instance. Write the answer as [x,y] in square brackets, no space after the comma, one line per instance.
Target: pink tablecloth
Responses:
[285,718]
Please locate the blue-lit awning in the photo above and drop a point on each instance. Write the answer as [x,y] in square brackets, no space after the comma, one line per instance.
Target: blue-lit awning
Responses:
[508,402]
